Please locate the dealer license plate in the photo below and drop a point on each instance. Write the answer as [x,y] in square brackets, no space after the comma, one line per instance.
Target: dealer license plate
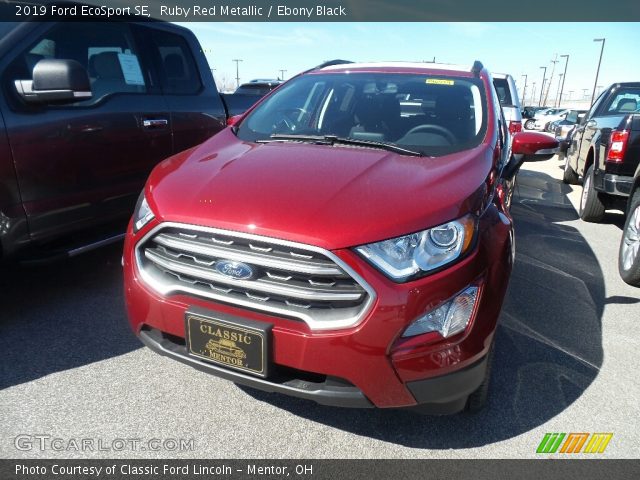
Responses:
[239,344]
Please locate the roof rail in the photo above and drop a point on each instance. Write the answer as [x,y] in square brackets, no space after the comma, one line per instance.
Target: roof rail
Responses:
[477,67]
[328,63]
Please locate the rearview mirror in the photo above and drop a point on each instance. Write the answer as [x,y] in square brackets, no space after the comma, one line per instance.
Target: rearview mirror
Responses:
[55,81]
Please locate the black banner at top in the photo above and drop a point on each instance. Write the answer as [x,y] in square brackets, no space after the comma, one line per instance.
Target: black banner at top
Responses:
[322,10]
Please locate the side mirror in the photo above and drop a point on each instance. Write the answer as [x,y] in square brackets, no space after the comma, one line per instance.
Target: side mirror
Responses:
[529,147]
[581,117]
[55,81]
[534,147]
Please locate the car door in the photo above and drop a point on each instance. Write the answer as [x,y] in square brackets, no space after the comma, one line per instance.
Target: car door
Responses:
[85,163]
[585,133]
[190,92]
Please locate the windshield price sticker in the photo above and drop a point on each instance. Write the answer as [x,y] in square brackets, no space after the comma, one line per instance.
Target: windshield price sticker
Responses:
[439,81]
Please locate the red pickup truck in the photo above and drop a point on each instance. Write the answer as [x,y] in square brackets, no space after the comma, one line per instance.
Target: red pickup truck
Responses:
[351,232]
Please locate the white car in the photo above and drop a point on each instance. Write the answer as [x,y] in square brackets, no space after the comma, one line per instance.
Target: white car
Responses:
[545,116]
[508,96]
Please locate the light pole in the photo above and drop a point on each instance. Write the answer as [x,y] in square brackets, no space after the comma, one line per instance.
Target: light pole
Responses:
[593,95]
[237,60]
[544,75]
[553,69]
[564,77]
[557,104]
[282,74]
[524,90]
[533,94]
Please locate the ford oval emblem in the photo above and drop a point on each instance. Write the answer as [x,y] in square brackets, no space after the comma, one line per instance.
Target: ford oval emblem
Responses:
[235,270]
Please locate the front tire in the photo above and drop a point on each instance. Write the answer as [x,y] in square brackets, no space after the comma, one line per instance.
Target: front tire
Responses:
[591,207]
[477,400]
[629,253]
[569,175]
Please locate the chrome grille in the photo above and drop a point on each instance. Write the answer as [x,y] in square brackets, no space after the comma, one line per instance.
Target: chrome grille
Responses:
[290,279]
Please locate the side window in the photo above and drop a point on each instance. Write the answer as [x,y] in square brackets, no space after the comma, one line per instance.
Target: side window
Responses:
[105,50]
[178,71]
[625,101]
[502,90]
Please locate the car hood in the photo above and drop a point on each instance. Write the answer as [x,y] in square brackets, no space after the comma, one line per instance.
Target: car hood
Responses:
[329,196]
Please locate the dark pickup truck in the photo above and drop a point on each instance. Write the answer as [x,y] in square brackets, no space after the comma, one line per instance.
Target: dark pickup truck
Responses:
[86,111]
[605,152]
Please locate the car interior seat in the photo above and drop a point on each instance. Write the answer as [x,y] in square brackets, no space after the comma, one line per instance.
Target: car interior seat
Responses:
[377,115]
[452,111]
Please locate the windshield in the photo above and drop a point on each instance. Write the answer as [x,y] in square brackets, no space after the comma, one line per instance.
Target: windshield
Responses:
[432,115]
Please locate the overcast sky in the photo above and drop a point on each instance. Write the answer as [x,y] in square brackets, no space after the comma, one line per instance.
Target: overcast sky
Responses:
[515,48]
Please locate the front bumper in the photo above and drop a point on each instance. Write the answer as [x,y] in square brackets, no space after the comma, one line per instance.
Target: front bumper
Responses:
[358,366]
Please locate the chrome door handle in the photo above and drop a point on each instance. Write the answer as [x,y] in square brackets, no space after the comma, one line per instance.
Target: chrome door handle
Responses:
[155,122]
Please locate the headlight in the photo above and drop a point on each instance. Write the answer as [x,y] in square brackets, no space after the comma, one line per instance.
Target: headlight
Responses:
[142,214]
[405,257]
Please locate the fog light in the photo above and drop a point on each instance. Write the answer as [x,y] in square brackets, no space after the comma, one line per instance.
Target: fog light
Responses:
[448,319]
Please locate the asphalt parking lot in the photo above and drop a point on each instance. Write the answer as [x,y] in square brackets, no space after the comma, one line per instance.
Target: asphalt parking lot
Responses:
[566,361]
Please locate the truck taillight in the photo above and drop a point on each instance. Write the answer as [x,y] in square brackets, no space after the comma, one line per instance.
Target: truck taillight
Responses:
[515,127]
[617,146]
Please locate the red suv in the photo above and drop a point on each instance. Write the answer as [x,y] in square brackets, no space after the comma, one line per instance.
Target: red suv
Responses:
[347,240]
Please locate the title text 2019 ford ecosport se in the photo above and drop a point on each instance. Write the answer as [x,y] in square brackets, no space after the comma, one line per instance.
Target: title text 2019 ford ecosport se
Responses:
[347,240]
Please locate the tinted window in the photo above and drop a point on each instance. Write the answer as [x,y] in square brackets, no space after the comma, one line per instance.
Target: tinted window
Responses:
[572,116]
[502,89]
[431,114]
[254,89]
[625,100]
[178,70]
[105,50]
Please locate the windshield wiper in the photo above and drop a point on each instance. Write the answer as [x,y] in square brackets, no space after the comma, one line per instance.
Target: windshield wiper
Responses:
[334,139]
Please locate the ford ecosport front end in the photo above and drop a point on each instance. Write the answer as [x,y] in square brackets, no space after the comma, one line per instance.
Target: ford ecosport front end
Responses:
[347,240]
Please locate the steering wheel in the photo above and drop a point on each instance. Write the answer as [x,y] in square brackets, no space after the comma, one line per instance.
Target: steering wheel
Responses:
[446,133]
[291,118]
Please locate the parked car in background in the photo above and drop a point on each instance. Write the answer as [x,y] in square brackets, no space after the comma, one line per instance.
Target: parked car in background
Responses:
[605,152]
[508,97]
[548,119]
[542,117]
[259,87]
[562,128]
[565,123]
[530,112]
[247,94]
[87,110]
[356,254]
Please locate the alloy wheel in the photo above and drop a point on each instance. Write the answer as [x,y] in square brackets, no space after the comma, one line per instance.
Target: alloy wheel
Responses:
[631,240]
